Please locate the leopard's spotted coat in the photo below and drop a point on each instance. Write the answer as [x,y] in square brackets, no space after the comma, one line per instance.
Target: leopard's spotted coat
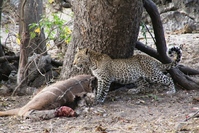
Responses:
[125,71]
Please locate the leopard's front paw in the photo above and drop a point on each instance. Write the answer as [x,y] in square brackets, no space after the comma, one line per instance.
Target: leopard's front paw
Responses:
[100,99]
[173,91]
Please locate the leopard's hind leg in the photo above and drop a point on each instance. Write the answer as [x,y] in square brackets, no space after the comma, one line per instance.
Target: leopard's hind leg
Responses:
[163,79]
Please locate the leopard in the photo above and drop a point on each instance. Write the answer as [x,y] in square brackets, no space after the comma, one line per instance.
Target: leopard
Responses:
[126,71]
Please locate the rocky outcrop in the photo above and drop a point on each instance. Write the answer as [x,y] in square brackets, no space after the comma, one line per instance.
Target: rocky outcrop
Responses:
[181,16]
[10,12]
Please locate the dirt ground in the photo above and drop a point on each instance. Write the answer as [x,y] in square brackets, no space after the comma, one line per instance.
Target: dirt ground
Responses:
[154,112]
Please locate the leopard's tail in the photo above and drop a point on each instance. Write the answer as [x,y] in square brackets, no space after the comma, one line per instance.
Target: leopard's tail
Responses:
[9,112]
[176,53]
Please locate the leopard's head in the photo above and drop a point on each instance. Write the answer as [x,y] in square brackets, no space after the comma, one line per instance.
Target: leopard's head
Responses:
[82,58]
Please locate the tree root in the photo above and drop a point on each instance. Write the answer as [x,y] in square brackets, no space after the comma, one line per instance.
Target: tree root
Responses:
[152,52]
[178,74]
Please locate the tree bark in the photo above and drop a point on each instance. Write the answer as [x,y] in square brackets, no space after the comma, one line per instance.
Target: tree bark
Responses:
[30,12]
[106,26]
[112,28]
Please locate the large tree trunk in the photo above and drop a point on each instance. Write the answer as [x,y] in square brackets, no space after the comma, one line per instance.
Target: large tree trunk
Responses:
[30,12]
[106,26]
[112,28]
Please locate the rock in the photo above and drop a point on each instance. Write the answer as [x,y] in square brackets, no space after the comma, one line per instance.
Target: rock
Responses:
[174,20]
[10,12]
[40,70]
[178,15]
[4,90]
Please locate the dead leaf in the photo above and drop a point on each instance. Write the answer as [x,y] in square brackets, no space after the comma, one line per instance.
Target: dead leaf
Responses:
[101,129]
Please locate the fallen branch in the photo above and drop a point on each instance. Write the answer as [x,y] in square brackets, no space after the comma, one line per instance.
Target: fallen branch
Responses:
[196,114]
[8,58]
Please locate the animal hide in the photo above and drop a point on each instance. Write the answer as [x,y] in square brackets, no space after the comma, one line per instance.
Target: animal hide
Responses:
[61,93]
